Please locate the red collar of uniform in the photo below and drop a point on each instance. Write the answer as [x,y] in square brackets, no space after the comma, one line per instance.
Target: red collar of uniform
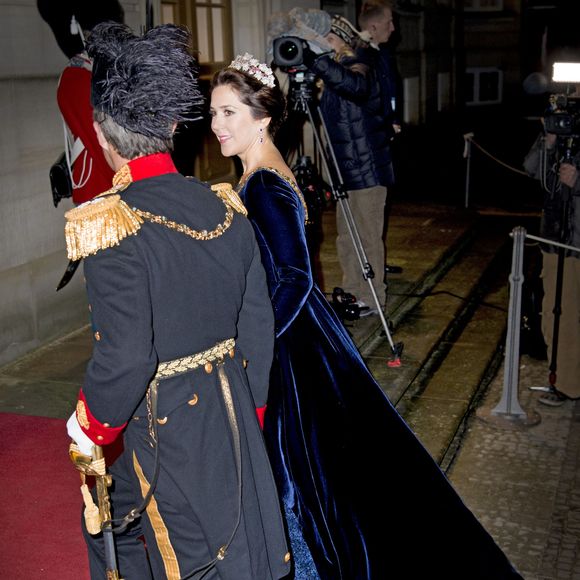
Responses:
[144,167]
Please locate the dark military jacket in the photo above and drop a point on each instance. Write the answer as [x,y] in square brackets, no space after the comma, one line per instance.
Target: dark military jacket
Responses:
[177,286]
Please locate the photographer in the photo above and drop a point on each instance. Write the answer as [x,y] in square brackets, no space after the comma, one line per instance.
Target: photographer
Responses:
[376,22]
[554,159]
[352,108]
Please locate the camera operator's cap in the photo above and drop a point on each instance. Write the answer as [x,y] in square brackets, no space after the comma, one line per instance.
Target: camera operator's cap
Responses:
[343,29]
[146,83]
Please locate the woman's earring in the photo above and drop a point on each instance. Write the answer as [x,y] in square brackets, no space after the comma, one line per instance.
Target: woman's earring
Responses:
[261,134]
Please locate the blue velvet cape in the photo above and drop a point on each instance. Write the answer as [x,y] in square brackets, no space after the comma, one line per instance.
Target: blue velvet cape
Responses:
[369,500]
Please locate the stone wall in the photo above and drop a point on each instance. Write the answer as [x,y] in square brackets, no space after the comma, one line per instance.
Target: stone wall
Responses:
[33,254]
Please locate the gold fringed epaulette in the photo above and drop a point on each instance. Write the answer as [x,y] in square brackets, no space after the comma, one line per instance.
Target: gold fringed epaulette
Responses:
[226,192]
[99,224]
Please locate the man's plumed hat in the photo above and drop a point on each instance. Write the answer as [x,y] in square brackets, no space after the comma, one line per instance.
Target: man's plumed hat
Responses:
[146,83]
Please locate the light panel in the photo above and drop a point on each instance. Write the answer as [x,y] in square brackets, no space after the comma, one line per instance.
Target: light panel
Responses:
[566,72]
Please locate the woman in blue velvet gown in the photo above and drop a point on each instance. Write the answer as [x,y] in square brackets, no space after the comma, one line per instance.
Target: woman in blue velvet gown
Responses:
[363,498]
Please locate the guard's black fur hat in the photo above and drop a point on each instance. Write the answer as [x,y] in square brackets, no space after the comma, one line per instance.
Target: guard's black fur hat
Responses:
[146,83]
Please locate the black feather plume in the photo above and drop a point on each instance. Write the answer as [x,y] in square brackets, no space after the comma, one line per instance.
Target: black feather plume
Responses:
[145,83]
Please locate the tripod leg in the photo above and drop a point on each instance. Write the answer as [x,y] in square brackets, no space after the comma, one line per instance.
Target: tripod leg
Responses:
[341,197]
[565,193]
[553,280]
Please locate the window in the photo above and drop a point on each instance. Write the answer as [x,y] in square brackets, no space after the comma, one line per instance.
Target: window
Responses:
[210,25]
[483,86]
[196,147]
[483,5]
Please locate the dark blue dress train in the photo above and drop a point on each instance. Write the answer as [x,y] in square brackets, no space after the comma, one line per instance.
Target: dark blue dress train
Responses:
[368,499]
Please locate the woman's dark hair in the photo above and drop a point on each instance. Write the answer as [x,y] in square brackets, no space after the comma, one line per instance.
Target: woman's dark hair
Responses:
[264,101]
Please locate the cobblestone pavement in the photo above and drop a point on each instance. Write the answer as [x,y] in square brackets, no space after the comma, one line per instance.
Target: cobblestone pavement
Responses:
[524,482]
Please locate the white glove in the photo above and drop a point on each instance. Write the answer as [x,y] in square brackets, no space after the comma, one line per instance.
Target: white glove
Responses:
[83,442]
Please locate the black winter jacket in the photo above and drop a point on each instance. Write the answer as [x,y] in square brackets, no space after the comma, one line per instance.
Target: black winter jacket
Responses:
[353,112]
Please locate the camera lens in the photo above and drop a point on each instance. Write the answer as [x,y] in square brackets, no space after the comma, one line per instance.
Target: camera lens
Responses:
[288,49]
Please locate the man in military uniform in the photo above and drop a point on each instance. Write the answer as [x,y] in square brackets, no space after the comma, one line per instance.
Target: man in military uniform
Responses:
[183,334]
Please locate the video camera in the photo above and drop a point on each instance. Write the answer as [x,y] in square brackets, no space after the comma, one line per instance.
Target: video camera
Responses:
[563,116]
[289,56]
[289,52]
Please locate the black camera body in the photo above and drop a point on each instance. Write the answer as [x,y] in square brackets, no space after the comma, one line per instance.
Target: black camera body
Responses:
[563,116]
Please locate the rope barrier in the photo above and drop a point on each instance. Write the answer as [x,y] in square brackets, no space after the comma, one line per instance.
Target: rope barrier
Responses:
[469,137]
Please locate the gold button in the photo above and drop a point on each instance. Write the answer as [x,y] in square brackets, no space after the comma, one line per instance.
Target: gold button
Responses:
[232,353]
[245,363]
[287,557]
[100,437]
[208,367]
[162,421]
[135,418]
[106,425]
[97,335]
[193,400]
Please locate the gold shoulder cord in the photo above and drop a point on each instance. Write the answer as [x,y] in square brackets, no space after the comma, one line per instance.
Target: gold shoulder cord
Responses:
[107,220]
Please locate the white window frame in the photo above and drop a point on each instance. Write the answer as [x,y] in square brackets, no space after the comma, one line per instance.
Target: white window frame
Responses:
[477,72]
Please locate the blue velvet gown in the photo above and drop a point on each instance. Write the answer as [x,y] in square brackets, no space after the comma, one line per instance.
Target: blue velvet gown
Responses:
[361,494]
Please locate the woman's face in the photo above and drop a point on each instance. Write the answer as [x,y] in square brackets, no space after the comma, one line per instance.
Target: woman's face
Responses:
[233,123]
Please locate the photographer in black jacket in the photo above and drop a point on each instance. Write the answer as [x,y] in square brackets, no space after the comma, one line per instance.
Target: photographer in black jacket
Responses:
[352,108]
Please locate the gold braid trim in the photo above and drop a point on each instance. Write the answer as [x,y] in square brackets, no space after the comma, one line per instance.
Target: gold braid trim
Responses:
[226,192]
[101,223]
[191,362]
[107,220]
[203,235]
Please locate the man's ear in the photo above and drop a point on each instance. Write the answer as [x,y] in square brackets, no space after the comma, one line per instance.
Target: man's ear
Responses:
[100,137]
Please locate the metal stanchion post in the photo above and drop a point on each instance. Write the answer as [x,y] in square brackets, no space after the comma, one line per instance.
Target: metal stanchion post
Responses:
[508,412]
[467,155]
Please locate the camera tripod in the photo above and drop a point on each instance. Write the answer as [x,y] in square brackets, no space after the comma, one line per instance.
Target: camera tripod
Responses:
[300,95]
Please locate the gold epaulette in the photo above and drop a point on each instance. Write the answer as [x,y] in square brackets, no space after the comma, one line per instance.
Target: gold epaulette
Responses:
[226,192]
[99,224]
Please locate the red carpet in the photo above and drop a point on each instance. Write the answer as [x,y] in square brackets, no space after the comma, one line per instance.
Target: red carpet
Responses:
[40,502]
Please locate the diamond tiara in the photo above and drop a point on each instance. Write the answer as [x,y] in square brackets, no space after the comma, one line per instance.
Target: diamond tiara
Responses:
[253,67]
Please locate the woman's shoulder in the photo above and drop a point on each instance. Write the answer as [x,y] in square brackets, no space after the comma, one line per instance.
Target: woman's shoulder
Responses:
[272,184]
[269,180]
[269,174]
